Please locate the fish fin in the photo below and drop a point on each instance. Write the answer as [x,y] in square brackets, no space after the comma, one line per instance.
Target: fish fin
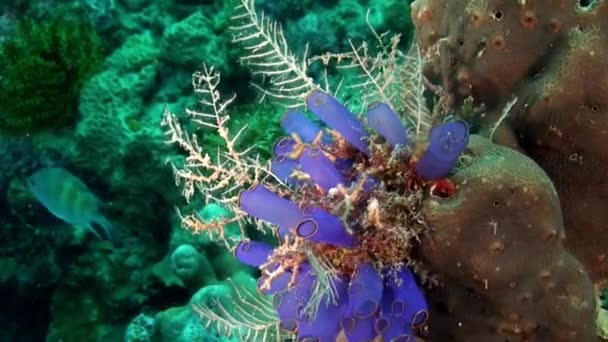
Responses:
[90,228]
[102,227]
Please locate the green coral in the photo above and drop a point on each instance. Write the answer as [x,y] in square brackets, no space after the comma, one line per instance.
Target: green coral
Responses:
[44,66]
[604,299]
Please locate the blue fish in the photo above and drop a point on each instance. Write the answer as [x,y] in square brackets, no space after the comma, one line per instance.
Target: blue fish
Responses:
[69,199]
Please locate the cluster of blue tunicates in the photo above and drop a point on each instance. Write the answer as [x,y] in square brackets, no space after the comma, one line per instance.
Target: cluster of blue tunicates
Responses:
[373,300]
[367,304]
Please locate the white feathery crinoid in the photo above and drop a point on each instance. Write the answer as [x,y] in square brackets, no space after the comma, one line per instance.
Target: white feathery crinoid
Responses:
[247,316]
[387,74]
[268,55]
[220,175]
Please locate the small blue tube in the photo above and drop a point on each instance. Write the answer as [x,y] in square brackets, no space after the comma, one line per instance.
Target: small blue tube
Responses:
[383,120]
[325,326]
[288,303]
[446,142]
[390,325]
[321,226]
[370,184]
[359,329]
[283,146]
[365,291]
[265,205]
[294,122]
[338,118]
[283,167]
[409,302]
[320,169]
[253,253]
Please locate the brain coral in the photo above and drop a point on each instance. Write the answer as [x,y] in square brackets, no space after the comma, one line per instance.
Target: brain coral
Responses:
[553,57]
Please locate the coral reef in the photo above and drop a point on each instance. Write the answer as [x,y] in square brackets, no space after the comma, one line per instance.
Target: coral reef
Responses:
[191,267]
[183,323]
[487,272]
[140,329]
[552,57]
[45,65]
[48,270]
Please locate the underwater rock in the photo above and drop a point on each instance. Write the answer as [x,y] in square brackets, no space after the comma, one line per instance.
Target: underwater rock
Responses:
[553,57]
[498,247]
[191,267]
[140,329]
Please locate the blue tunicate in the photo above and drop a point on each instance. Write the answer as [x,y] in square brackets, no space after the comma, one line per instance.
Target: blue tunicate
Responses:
[288,303]
[359,329]
[283,168]
[263,204]
[252,253]
[408,299]
[371,302]
[365,291]
[369,184]
[321,226]
[390,325]
[344,165]
[294,122]
[446,142]
[325,325]
[338,118]
[320,169]
[383,119]
[283,147]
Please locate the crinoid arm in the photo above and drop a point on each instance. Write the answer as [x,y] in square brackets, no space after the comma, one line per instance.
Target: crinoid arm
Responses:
[268,55]
[247,316]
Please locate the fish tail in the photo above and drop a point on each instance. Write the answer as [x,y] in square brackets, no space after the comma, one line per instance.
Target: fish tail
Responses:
[102,227]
